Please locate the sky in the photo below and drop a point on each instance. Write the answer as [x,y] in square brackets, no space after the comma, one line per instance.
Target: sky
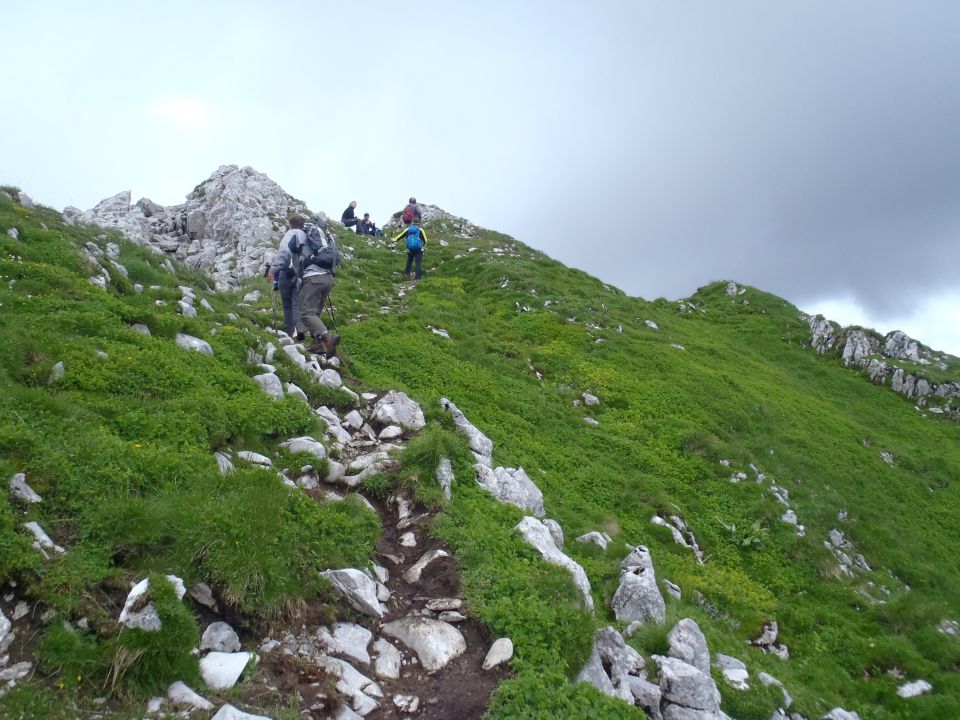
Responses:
[809,148]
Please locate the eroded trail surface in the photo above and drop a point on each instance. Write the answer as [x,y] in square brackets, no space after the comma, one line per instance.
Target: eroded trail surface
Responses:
[406,645]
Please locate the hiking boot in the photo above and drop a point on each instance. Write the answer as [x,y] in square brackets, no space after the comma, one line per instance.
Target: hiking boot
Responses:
[330,342]
[318,346]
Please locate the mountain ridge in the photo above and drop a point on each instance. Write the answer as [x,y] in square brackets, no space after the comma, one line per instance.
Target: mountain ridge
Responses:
[785,499]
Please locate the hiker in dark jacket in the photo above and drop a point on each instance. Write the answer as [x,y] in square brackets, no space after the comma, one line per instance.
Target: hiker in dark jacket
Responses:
[349,219]
[316,282]
[366,226]
[415,240]
[285,280]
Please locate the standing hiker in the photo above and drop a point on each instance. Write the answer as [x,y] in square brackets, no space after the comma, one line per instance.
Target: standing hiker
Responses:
[349,219]
[411,213]
[285,280]
[416,241]
[314,258]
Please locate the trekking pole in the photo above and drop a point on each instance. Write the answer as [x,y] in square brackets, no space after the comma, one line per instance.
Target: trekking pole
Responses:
[273,297]
[333,322]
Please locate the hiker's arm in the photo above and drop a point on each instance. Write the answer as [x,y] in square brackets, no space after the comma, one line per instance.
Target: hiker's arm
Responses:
[282,261]
[424,233]
[402,234]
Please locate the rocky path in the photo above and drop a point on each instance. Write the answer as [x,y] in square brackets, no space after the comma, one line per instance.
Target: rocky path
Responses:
[405,645]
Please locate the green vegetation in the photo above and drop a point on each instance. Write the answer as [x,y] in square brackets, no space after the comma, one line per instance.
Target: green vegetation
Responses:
[121,449]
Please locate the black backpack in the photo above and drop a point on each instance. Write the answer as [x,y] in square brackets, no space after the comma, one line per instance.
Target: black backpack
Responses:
[319,250]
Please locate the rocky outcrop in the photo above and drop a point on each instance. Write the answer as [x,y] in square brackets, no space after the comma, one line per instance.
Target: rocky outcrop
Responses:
[229,226]
[879,356]
[638,598]
[538,535]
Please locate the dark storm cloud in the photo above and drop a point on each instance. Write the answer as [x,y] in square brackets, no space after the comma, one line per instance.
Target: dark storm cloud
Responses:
[812,151]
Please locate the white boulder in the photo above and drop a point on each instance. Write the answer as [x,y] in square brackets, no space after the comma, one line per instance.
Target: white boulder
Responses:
[638,598]
[395,408]
[511,485]
[435,642]
[536,534]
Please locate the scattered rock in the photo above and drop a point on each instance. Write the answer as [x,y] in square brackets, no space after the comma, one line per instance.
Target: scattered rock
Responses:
[686,642]
[229,712]
[590,400]
[841,714]
[189,342]
[387,664]
[436,643]
[395,408]
[500,652]
[535,533]
[140,328]
[221,670]
[22,491]
[684,685]
[295,391]
[42,541]
[57,373]
[601,539]
[255,458]
[444,475]
[219,636]
[408,539]
[638,598]
[358,590]
[612,662]
[406,703]
[769,641]
[734,671]
[202,594]
[139,612]
[769,680]
[556,532]
[306,444]
[480,444]
[224,463]
[180,694]
[412,575]
[914,689]
[511,485]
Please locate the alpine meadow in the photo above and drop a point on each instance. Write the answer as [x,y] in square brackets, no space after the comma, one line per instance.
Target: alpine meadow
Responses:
[779,494]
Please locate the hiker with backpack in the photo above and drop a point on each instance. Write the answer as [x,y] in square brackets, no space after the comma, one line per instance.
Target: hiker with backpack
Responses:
[349,219]
[314,258]
[285,281]
[416,241]
[411,213]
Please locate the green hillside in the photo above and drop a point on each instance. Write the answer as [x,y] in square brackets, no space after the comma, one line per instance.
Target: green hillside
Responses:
[120,447]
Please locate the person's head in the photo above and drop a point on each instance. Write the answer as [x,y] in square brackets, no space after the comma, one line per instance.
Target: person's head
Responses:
[353,203]
[297,221]
[413,201]
[366,216]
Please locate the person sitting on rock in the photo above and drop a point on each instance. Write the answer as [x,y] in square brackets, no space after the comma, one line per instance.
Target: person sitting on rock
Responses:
[349,219]
[366,226]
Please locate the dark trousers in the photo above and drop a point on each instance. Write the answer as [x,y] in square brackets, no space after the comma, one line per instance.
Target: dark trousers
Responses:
[351,222]
[314,291]
[291,302]
[413,256]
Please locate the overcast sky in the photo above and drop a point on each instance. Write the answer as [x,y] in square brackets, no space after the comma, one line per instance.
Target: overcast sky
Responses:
[811,149]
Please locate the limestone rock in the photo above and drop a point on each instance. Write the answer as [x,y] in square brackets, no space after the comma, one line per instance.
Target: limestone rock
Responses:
[480,444]
[229,712]
[224,463]
[601,539]
[858,348]
[556,532]
[406,703]
[270,384]
[219,636]
[684,685]
[255,458]
[188,342]
[900,346]
[395,408]
[352,640]
[611,664]
[221,670]
[21,490]
[500,652]
[436,643]
[444,476]
[535,533]
[140,328]
[297,392]
[412,575]
[306,444]
[840,714]
[139,612]
[638,598]
[914,689]
[734,671]
[387,664]
[686,642]
[179,693]
[358,590]
[511,485]
[42,541]
[6,633]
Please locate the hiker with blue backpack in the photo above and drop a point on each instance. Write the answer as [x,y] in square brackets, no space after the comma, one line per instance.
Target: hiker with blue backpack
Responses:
[314,257]
[416,240]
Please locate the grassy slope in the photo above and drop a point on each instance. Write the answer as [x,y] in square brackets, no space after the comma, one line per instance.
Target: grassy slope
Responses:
[743,389]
